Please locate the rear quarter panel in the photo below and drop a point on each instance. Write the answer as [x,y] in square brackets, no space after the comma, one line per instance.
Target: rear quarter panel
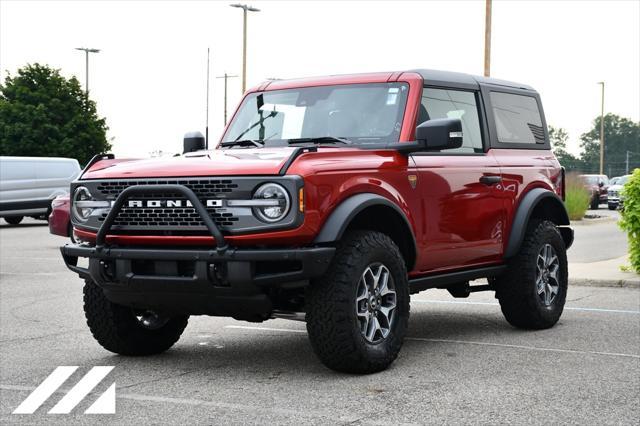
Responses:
[522,170]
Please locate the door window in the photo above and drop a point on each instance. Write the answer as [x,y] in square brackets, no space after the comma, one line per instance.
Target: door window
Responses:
[448,103]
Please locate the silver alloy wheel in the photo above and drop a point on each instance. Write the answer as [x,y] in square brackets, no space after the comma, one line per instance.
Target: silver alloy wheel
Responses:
[547,279]
[151,320]
[376,302]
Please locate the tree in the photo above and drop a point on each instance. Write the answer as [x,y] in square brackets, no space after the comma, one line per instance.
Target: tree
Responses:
[620,135]
[43,114]
[558,137]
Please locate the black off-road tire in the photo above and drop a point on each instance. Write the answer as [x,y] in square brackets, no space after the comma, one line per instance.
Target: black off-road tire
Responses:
[516,289]
[13,220]
[613,206]
[332,322]
[117,329]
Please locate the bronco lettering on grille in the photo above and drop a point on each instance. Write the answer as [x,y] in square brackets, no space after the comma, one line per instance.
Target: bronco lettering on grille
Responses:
[170,203]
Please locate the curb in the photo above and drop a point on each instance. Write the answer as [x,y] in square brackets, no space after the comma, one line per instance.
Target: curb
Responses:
[590,282]
[588,222]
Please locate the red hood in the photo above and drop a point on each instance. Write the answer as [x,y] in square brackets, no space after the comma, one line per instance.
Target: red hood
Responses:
[263,161]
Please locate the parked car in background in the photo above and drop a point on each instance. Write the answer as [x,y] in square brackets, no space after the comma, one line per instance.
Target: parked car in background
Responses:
[597,185]
[59,222]
[29,184]
[614,197]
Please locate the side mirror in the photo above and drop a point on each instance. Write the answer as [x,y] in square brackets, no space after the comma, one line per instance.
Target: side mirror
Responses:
[440,133]
[193,141]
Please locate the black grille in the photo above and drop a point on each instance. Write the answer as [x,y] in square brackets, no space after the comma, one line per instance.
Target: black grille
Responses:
[175,217]
[184,218]
[201,187]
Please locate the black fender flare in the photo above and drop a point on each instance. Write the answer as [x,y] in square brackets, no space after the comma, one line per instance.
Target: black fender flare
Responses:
[523,214]
[338,222]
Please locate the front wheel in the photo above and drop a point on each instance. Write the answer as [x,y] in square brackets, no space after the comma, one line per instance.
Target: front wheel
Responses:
[613,206]
[358,312]
[126,331]
[533,290]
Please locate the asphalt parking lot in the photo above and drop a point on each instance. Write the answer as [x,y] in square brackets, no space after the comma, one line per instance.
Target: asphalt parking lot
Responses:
[461,364]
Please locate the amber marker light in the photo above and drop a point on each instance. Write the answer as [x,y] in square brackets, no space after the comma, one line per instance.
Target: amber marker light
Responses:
[301,200]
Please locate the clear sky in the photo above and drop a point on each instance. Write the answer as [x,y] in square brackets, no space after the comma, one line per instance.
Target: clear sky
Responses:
[149,78]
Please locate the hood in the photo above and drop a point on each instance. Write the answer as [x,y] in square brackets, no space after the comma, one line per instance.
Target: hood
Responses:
[262,161]
[616,187]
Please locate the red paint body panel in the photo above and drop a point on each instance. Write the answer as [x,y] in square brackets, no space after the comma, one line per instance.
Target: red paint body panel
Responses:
[458,221]
[59,219]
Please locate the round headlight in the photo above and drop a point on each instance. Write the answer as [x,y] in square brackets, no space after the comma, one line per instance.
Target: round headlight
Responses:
[81,194]
[276,202]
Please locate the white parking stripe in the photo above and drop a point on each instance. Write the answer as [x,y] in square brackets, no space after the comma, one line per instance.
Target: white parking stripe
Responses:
[248,327]
[462,342]
[568,308]
[531,348]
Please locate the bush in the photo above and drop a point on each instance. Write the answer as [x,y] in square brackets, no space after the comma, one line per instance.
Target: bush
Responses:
[576,198]
[631,217]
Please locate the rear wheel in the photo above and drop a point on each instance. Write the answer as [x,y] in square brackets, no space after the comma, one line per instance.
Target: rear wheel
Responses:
[533,290]
[357,314]
[126,331]
[613,206]
[13,220]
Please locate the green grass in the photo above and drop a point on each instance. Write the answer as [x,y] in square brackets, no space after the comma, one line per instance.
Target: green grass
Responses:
[576,197]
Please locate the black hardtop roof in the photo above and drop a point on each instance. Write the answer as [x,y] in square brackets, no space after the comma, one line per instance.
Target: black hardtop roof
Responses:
[437,77]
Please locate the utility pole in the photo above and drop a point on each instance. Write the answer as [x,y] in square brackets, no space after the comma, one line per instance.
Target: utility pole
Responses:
[626,168]
[206,134]
[245,9]
[226,77]
[86,51]
[487,39]
[602,129]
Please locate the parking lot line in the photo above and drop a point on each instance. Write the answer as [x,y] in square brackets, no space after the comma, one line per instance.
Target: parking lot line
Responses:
[568,308]
[230,406]
[461,342]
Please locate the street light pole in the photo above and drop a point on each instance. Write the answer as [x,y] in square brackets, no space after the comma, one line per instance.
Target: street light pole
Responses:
[86,51]
[226,77]
[487,39]
[602,129]
[245,9]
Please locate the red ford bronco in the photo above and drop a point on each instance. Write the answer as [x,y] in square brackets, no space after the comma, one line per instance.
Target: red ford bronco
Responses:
[330,200]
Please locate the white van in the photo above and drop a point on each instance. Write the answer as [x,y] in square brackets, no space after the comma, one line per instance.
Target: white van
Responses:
[29,184]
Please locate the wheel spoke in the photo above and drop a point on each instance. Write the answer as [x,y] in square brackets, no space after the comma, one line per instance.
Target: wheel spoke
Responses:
[372,327]
[383,287]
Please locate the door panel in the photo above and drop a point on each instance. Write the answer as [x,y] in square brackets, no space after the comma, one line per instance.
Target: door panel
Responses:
[464,218]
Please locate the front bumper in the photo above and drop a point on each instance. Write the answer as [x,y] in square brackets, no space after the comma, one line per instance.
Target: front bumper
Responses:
[234,282]
[223,281]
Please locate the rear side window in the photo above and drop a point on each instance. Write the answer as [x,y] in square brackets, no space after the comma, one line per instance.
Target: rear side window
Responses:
[448,103]
[517,118]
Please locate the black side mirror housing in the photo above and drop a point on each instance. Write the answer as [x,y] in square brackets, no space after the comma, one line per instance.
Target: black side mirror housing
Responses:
[193,141]
[440,133]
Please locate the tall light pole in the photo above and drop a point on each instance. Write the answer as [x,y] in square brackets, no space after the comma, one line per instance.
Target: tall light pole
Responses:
[602,129]
[86,51]
[487,39]
[245,9]
[226,77]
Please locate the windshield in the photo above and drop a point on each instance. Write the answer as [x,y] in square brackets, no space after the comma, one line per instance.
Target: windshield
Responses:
[361,113]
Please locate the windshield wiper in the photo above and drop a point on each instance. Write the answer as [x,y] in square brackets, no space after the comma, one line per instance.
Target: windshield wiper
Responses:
[319,140]
[243,142]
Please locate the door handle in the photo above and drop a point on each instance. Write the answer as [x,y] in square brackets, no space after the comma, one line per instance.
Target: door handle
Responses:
[490,179]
